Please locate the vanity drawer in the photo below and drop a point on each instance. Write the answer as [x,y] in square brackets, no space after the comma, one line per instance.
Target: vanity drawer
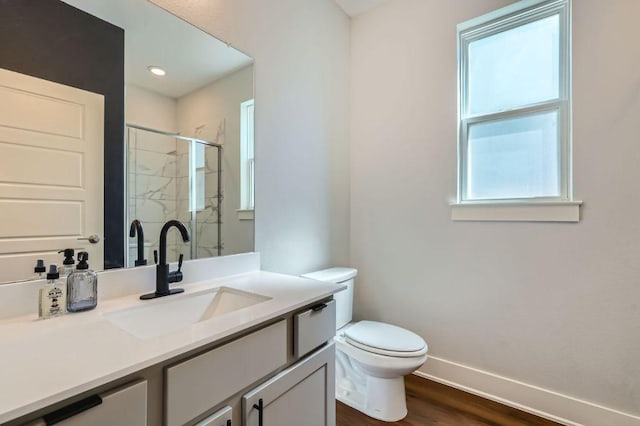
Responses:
[122,406]
[313,327]
[201,383]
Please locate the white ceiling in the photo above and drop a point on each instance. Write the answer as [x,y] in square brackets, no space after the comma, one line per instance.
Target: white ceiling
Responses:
[191,57]
[354,8]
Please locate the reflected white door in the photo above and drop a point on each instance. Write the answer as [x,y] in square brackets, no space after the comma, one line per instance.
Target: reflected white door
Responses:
[51,173]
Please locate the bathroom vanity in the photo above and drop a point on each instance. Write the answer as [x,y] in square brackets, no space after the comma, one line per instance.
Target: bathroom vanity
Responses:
[243,347]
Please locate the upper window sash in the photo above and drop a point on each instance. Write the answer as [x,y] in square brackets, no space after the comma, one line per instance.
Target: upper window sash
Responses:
[507,18]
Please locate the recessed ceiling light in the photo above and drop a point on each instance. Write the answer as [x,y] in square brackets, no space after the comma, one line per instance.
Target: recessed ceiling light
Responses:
[156,71]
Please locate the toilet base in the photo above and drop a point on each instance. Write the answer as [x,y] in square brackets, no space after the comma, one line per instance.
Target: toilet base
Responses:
[381,399]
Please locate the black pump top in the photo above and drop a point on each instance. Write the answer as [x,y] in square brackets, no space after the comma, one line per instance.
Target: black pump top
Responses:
[83,256]
[68,256]
[40,268]
[53,273]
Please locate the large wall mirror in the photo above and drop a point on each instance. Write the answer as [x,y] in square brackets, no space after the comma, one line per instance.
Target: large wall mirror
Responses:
[113,111]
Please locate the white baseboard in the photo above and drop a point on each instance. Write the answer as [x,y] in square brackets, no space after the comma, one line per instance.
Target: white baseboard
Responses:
[532,399]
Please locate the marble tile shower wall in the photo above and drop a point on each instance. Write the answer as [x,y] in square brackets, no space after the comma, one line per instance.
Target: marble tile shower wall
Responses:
[153,190]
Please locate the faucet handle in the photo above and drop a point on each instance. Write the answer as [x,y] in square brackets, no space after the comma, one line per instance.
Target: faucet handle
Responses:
[155,256]
[176,276]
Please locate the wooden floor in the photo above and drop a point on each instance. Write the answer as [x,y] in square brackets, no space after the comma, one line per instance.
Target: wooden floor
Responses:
[430,403]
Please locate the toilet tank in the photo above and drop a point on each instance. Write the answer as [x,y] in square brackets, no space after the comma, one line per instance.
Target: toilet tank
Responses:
[344,299]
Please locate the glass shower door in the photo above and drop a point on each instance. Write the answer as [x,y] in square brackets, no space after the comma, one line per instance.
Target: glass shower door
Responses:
[173,177]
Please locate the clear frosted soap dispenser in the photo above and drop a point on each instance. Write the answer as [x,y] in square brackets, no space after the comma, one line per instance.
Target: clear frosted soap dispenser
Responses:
[67,264]
[82,286]
[52,295]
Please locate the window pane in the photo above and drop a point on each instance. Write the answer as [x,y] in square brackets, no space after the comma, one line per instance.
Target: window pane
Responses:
[200,187]
[516,67]
[197,175]
[250,131]
[514,158]
[247,153]
[199,154]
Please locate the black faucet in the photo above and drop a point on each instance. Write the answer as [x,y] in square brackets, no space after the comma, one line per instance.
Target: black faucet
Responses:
[136,227]
[163,276]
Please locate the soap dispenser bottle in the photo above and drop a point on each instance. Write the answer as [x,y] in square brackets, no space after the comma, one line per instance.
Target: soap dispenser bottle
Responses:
[52,300]
[68,263]
[82,286]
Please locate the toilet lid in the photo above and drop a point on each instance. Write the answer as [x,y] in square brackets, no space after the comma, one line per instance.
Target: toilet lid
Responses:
[385,339]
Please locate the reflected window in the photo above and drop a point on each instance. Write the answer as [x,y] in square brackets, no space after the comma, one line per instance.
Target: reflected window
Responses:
[246,155]
[199,168]
[514,104]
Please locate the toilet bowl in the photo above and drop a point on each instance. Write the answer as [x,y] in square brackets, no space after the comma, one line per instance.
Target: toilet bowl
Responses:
[372,358]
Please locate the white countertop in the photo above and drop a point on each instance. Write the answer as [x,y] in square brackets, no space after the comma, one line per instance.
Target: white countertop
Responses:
[47,361]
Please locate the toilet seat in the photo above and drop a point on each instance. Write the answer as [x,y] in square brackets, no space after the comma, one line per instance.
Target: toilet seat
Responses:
[385,339]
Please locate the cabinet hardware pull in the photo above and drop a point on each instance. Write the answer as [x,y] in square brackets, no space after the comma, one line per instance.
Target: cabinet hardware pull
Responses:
[228,422]
[72,409]
[259,406]
[319,307]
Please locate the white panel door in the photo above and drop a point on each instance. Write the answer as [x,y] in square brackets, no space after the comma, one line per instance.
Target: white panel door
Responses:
[51,173]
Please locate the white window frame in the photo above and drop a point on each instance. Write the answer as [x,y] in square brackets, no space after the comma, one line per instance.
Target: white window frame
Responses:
[247,170]
[520,13]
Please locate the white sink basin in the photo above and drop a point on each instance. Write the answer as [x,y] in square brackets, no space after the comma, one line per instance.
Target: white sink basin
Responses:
[171,313]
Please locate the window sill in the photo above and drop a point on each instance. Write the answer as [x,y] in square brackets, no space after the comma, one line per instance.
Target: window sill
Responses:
[245,214]
[561,211]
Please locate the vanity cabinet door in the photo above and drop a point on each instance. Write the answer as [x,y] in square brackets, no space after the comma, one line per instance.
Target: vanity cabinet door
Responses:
[301,395]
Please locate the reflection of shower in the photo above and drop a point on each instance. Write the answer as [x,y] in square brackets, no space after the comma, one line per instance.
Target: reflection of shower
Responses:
[171,176]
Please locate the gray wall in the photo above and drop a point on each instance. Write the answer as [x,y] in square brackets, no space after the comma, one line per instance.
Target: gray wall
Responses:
[552,305]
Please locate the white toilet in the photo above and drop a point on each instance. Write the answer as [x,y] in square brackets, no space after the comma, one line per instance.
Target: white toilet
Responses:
[372,358]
